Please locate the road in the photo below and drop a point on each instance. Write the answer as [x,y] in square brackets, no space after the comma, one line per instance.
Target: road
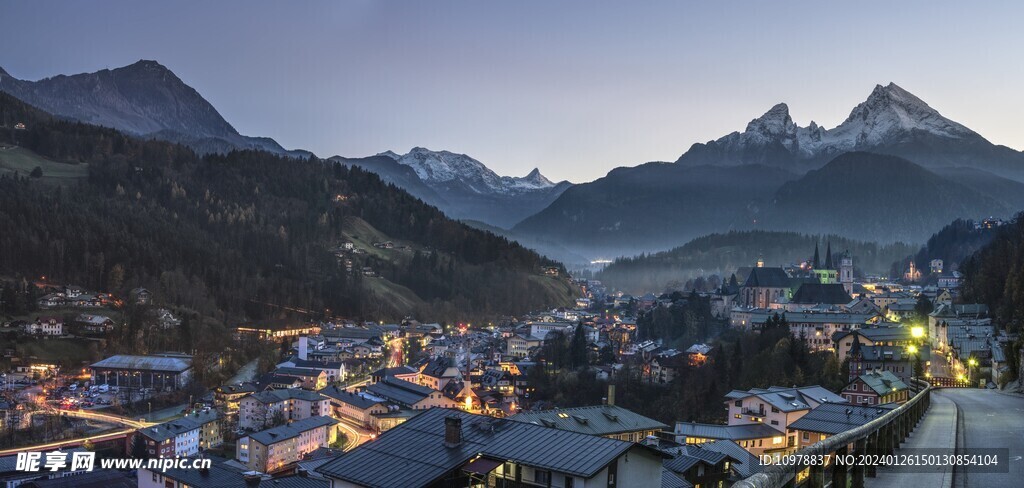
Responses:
[68,442]
[356,434]
[103,417]
[987,419]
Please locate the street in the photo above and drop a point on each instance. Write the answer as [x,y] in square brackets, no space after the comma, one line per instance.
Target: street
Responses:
[988,418]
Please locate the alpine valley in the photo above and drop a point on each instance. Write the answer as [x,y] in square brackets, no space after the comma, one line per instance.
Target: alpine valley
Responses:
[895,170]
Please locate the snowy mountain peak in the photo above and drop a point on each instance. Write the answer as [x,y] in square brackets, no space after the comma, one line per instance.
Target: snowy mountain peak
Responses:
[390,154]
[889,115]
[775,121]
[446,167]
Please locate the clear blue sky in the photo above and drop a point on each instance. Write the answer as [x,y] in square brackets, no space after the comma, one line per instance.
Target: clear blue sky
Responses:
[575,88]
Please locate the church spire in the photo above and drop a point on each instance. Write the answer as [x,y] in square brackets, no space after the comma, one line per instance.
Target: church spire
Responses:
[814,264]
[828,256]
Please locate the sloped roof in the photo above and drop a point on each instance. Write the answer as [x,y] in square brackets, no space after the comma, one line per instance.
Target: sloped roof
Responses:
[688,456]
[274,396]
[729,432]
[833,418]
[173,428]
[594,420]
[294,429]
[745,463]
[767,278]
[814,293]
[400,391]
[882,382]
[672,480]
[413,454]
[149,363]
[789,399]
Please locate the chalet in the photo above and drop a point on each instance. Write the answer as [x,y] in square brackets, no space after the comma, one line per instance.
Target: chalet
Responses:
[94,324]
[697,465]
[405,373]
[817,328]
[333,371]
[52,300]
[140,296]
[876,388]
[698,354]
[48,326]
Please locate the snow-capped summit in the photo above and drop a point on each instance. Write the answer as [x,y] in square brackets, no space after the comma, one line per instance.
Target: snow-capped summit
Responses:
[446,167]
[889,113]
[890,116]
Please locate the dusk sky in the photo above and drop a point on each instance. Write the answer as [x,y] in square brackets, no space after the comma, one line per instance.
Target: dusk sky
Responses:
[574,88]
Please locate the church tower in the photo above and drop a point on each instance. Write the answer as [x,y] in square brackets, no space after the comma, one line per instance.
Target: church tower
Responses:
[846,272]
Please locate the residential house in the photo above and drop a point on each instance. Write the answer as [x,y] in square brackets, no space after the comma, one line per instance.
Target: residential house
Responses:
[278,448]
[359,407]
[182,437]
[455,448]
[876,388]
[609,421]
[259,410]
[829,419]
[409,395]
[48,326]
[311,379]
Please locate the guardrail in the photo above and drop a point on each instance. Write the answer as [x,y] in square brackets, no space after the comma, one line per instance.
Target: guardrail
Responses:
[880,436]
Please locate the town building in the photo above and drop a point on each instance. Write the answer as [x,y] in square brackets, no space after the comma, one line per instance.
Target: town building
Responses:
[876,388]
[259,410]
[829,419]
[609,421]
[223,473]
[409,395]
[358,407]
[48,326]
[455,448]
[182,437]
[168,371]
[275,330]
[275,449]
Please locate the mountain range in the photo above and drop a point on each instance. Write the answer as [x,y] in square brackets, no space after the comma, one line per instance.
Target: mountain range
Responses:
[894,170]
[142,99]
[463,187]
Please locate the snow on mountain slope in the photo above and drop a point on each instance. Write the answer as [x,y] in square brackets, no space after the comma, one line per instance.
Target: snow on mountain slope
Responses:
[890,115]
[446,167]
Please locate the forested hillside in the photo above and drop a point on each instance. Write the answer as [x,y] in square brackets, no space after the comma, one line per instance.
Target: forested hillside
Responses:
[995,275]
[241,234]
[722,254]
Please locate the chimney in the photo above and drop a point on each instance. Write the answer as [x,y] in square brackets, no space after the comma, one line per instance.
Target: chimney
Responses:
[252,478]
[452,431]
[611,394]
[303,348]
